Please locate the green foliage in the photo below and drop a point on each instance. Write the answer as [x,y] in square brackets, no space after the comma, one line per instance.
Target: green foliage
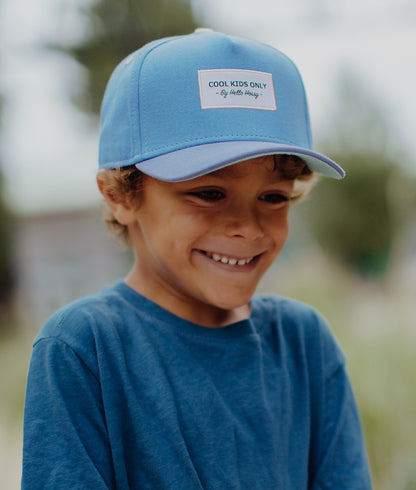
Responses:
[386,403]
[118,27]
[358,220]
[382,365]
[6,274]
[354,219]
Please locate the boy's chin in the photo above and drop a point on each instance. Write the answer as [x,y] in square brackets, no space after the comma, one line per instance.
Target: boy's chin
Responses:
[228,299]
[233,305]
[225,315]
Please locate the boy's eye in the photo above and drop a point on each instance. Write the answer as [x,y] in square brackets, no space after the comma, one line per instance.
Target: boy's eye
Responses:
[208,195]
[274,198]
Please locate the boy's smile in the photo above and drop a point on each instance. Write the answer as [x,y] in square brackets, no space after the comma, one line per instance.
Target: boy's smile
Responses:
[202,245]
[228,260]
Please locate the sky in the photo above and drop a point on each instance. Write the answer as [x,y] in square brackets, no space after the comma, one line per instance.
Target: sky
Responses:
[49,148]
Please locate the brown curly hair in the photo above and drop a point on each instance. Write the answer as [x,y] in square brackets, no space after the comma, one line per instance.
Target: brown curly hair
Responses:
[128,182]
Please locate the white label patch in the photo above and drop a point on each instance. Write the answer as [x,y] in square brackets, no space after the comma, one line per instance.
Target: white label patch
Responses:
[236,89]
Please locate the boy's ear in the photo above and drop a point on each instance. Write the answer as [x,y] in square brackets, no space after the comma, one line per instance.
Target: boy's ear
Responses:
[122,210]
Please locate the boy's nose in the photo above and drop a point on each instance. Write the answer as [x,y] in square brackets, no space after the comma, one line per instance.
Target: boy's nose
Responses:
[243,221]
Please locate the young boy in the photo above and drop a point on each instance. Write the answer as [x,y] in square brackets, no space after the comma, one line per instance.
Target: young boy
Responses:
[178,377]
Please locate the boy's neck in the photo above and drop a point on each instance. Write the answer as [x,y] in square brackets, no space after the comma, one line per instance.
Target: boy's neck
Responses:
[198,313]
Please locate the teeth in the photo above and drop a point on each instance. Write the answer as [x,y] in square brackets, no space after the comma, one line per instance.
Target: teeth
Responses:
[225,260]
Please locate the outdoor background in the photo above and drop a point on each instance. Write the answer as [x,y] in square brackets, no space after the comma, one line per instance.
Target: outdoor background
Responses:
[352,249]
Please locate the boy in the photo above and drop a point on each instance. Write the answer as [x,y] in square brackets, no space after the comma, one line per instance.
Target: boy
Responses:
[177,377]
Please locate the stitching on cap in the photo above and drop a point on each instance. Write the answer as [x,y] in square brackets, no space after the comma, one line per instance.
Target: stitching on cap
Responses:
[305,99]
[139,157]
[191,140]
[163,42]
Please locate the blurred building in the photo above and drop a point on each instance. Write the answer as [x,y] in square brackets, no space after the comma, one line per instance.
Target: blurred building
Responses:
[60,257]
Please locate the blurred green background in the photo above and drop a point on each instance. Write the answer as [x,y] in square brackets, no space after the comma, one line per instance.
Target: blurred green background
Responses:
[352,248]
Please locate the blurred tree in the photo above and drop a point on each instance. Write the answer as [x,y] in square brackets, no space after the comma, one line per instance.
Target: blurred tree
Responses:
[353,219]
[118,27]
[6,269]
[6,262]
[357,220]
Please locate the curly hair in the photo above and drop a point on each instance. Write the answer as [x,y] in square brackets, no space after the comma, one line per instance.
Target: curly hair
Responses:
[128,182]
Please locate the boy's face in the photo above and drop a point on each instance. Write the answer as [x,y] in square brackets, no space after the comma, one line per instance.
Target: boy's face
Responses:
[202,245]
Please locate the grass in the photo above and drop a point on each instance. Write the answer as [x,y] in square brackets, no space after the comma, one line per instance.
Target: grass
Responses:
[14,359]
[383,371]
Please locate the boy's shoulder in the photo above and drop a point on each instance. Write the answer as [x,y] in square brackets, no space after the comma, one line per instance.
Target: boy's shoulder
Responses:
[299,327]
[80,322]
[290,313]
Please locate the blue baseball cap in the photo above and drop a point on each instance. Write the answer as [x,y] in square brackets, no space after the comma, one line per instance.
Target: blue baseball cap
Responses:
[184,106]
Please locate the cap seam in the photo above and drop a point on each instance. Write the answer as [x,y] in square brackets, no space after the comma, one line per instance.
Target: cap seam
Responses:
[139,132]
[225,136]
[145,155]
[305,101]
[303,89]
[139,97]
[141,157]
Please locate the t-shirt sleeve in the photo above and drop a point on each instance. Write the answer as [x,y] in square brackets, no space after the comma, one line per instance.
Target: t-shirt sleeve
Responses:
[340,455]
[65,437]
[344,463]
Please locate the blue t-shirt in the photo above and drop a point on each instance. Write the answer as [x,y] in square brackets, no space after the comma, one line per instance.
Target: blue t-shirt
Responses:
[123,394]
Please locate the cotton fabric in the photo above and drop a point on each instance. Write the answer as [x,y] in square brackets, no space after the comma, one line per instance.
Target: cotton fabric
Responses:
[123,394]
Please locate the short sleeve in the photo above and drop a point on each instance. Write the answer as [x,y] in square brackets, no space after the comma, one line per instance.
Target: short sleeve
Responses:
[65,437]
[343,462]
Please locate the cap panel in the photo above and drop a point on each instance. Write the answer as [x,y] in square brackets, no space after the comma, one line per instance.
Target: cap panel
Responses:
[171,113]
[117,126]
[120,111]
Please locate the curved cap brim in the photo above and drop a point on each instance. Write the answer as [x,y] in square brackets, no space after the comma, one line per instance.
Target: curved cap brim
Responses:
[195,161]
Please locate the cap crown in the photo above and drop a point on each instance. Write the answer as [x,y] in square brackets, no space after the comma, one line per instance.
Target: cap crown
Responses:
[154,100]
